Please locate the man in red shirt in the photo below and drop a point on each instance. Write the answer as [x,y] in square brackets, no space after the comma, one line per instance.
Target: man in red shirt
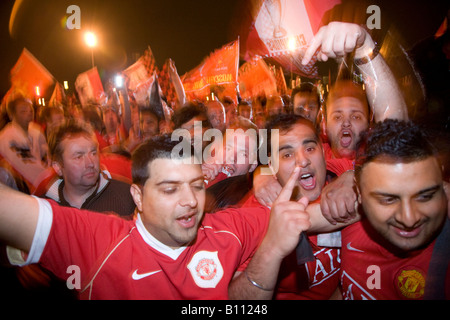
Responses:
[171,251]
[298,145]
[399,249]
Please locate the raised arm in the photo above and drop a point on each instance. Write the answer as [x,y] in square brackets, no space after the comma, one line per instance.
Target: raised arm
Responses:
[338,39]
[19,214]
[287,221]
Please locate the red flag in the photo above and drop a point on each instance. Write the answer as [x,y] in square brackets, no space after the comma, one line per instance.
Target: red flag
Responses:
[28,73]
[256,78]
[218,72]
[281,81]
[149,60]
[166,83]
[58,95]
[89,87]
[283,29]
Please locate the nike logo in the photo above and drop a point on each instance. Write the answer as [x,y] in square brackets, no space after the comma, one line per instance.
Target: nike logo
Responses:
[349,247]
[139,276]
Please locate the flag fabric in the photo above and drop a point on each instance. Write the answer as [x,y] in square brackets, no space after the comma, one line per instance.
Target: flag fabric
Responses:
[58,96]
[141,92]
[89,87]
[166,82]
[280,80]
[28,73]
[139,76]
[256,78]
[148,60]
[282,30]
[141,70]
[148,96]
[217,73]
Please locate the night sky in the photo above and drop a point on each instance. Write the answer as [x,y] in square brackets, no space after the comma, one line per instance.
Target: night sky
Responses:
[186,31]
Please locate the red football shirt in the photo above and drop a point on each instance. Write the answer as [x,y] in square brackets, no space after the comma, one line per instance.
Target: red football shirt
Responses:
[119,259]
[369,271]
[315,280]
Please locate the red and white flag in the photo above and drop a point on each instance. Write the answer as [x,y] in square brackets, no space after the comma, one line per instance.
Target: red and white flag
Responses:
[89,87]
[140,71]
[282,31]
[171,85]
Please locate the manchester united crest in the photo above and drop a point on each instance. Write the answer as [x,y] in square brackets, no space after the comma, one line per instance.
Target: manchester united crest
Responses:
[411,283]
[206,269]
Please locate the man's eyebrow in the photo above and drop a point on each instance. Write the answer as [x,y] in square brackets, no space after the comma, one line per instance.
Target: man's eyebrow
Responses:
[385,194]
[382,194]
[179,181]
[430,189]
[168,182]
[304,142]
[284,147]
[311,140]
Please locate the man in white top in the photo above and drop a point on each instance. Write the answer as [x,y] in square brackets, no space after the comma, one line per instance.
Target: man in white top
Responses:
[22,144]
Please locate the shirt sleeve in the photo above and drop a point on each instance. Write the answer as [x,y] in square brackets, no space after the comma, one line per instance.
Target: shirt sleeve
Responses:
[251,227]
[18,257]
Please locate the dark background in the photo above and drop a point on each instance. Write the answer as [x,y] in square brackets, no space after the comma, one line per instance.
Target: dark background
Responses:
[186,31]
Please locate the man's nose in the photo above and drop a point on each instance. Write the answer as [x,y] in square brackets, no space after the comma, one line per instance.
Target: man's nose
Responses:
[408,214]
[188,198]
[301,159]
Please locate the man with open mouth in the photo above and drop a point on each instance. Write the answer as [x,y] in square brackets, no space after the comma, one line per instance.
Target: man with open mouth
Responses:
[298,147]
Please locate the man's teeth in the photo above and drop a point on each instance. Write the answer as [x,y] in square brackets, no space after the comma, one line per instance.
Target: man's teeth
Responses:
[305,176]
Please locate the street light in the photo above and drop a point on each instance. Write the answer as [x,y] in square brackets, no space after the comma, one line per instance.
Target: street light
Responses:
[91,41]
[118,80]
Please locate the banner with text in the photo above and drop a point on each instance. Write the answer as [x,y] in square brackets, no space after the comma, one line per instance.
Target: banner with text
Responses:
[217,73]
[255,78]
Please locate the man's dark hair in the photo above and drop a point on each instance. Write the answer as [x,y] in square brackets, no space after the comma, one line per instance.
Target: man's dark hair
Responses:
[394,140]
[306,87]
[158,147]
[69,129]
[187,112]
[285,122]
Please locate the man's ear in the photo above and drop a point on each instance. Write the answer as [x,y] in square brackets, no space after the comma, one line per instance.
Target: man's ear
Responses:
[136,193]
[58,168]
[358,194]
